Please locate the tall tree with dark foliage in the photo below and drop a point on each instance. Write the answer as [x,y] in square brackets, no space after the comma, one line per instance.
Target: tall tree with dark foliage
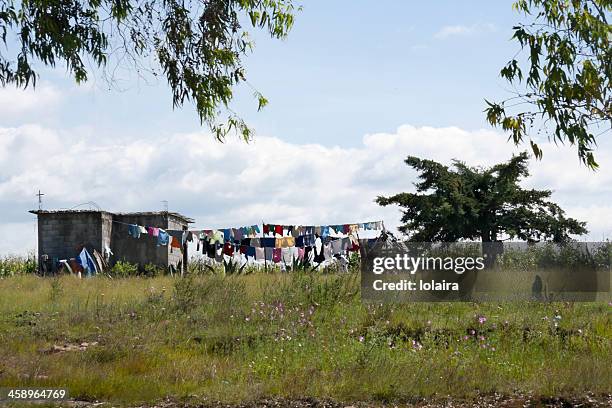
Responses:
[488,204]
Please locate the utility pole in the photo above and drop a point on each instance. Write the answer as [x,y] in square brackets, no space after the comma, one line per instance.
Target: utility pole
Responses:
[165,203]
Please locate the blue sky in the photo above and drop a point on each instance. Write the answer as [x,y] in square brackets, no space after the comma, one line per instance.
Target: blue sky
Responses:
[355,88]
[346,69]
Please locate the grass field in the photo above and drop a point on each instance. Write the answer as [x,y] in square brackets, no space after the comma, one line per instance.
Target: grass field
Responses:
[242,338]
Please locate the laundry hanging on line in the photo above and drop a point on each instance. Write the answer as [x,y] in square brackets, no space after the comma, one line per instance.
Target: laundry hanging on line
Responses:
[172,238]
[319,253]
[283,236]
[322,230]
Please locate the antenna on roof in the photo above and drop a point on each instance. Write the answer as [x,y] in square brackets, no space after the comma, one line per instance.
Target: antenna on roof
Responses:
[165,203]
[39,200]
[91,204]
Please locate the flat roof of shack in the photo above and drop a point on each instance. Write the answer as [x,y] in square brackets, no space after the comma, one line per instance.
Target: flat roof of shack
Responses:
[141,213]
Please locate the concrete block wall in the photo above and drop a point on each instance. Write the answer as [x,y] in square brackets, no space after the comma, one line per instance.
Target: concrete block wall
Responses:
[141,250]
[62,235]
[145,250]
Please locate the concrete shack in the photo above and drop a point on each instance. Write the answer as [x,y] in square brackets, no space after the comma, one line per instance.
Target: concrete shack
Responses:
[63,233]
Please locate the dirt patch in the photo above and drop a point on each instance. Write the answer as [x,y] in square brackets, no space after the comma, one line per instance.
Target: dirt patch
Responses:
[69,347]
[482,401]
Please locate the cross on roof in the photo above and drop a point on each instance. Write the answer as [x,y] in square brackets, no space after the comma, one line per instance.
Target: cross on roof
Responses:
[40,199]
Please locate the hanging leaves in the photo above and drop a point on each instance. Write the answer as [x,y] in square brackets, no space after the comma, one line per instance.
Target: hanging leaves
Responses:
[197,45]
[563,91]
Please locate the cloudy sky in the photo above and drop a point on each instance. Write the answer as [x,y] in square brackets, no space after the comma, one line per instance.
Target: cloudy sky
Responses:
[353,91]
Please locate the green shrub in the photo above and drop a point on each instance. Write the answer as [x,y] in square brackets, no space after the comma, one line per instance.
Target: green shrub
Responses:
[574,255]
[123,269]
[152,270]
[16,265]
[232,267]
[354,262]
[301,265]
[197,266]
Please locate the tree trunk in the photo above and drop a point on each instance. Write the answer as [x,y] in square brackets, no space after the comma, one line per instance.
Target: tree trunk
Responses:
[491,248]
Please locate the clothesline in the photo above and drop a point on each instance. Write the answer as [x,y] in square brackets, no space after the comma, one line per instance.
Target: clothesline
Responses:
[278,229]
[362,225]
[285,231]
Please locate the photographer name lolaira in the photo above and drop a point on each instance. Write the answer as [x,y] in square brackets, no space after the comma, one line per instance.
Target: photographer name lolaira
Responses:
[410,285]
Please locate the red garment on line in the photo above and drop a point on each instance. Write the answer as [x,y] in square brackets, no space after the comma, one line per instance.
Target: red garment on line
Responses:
[228,249]
[276,255]
[175,243]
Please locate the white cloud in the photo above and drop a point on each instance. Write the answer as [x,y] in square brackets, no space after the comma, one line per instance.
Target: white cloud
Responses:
[20,238]
[17,102]
[235,184]
[463,30]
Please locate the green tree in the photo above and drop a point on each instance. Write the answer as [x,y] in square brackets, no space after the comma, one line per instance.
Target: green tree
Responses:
[471,203]
[563,90]
[197,45]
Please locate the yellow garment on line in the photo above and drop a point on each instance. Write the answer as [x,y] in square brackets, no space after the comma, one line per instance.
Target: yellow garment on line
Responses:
[217,236]
[285,242]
